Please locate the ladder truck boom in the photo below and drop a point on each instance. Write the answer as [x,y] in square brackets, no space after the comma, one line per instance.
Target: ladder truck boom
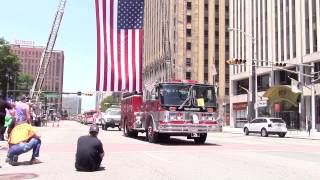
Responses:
[46,54]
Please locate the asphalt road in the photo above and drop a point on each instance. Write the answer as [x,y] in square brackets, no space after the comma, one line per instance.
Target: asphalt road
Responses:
[224,156]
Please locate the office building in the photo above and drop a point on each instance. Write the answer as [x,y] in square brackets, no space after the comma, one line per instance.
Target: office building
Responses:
[269,33]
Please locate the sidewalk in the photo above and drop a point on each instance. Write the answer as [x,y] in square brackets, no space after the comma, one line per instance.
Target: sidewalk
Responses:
[290,134]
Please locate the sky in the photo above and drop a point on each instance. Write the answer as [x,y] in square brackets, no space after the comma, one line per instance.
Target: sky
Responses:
[31,20]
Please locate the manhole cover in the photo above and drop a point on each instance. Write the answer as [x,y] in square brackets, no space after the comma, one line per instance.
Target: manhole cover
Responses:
[18,176]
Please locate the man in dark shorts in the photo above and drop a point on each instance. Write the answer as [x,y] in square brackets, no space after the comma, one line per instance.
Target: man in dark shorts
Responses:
[89,151]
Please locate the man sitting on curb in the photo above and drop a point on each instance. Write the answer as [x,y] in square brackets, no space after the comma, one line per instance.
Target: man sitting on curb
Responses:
[23,138]
[89,151]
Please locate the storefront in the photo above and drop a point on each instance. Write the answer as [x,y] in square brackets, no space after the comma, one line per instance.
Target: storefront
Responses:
[240,114]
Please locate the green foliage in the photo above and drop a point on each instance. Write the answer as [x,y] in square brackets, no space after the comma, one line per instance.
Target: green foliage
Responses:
[107,102]
[24,82]
[9,65]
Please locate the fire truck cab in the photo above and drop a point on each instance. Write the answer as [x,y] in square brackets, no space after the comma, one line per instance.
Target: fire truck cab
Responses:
[175,108]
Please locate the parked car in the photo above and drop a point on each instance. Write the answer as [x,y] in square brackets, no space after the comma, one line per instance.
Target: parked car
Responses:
[111,118]
[266,126]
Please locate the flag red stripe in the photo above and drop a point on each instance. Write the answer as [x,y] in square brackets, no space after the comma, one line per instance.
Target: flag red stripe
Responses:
[140,58]
[98,45]
[119,61]
[105,47]
[134,60]
[111,42]
[126,58]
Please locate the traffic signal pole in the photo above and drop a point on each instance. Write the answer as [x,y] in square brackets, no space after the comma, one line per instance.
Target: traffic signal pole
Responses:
[253,104]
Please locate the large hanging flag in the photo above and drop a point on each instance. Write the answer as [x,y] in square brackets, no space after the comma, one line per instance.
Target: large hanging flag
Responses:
[119,44]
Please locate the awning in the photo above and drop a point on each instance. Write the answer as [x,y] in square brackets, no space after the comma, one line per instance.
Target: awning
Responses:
[280,93]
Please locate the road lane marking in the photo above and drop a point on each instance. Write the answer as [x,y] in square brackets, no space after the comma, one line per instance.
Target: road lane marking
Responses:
[156,157]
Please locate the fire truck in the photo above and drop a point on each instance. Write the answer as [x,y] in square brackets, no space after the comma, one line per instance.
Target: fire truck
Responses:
[175,108]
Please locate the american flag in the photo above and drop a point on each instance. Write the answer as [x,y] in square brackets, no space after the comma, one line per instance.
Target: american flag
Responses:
[119,44]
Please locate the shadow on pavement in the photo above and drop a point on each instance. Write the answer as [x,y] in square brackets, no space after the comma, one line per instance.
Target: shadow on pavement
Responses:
[179,142]
[101,168]
[27,163]
[175,142]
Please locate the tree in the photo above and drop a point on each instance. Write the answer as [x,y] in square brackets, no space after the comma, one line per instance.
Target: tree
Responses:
[9,66]
[25,81]
[107,102]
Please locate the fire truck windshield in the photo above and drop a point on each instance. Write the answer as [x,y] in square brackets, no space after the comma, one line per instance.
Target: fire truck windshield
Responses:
[174,94]
[204,96]
[187,95]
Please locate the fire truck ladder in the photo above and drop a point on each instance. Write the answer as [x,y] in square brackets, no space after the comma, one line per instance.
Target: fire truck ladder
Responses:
[46,54]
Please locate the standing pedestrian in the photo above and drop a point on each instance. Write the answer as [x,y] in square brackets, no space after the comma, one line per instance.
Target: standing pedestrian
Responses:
[3,106]
[22,112]
[89,151]
[309,127]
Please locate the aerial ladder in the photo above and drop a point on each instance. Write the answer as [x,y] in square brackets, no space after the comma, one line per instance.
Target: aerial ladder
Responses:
[35,92]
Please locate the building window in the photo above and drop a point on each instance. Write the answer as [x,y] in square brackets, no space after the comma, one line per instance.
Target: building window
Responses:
[307,34]
[188,75]
[189,19]
[206,77]
[206,33]
[284,77]
[58,67]
[188,45]
[189,32]
[206,20]
[263,82]
[206,7]
[189,5]
[314,26]
[216,8]
[206,46]
[188,62]
[317,69]
[242,83]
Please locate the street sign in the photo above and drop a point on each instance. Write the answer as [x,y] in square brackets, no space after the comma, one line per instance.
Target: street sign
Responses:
[52,95]
[262,103]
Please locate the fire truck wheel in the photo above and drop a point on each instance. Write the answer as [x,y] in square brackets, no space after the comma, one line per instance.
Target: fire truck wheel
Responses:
[152,136]
[201,139]
[127,132]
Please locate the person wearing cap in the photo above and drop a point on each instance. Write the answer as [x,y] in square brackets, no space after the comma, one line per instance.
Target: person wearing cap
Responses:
[22,139]
[90,151]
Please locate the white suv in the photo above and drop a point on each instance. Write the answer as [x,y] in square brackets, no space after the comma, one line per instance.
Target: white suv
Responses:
[266,126]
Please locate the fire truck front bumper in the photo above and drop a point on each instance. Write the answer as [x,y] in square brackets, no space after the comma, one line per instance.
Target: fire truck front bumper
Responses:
[192,128]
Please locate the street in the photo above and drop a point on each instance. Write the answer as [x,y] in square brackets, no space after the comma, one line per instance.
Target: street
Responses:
[224,156]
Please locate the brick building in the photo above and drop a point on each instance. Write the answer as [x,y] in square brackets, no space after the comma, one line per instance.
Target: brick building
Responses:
[30,56]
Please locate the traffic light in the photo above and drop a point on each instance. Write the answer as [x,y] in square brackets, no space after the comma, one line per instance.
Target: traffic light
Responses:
[280,64]
[87,94]
[79,93]
[236,61]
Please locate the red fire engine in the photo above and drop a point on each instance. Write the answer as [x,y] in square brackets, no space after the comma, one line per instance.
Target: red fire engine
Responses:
[175,108]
